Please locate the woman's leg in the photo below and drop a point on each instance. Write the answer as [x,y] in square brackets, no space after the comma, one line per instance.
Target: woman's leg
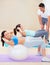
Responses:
[41,33]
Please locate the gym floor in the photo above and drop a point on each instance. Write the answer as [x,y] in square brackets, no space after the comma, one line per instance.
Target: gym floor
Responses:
[32,51]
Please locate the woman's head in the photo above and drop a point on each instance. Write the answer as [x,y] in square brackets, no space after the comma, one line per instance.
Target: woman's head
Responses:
[6,35]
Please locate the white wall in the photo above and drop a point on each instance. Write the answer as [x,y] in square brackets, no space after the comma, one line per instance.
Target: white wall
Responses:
[13,12]
[47,3]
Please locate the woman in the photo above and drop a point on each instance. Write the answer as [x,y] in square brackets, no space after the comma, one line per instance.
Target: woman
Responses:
[27,41]
[39,33]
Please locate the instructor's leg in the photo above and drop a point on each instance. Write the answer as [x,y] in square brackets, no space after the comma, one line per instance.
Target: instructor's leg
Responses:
[41,33]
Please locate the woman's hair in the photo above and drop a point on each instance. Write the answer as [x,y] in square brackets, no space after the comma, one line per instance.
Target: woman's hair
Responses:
[19,25]
[15,32]
[42,5]
[15,29]
[2,35]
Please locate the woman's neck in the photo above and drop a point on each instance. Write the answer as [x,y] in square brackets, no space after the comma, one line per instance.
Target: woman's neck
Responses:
[43,10]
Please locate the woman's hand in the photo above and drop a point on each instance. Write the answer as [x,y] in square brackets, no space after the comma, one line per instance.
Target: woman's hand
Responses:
[22,32]
[19,30]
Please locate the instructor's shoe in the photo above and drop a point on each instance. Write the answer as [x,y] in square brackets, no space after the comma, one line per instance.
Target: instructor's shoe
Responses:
[45,59]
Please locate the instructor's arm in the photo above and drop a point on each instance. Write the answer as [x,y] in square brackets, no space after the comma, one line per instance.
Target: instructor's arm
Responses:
[40,21]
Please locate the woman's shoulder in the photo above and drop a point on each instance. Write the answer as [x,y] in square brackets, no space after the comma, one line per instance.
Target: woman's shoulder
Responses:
[14,36]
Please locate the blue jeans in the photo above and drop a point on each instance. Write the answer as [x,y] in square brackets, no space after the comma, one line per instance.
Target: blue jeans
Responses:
[44,21]
[41,33]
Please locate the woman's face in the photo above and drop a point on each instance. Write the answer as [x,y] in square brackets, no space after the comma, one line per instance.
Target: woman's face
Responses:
[42,9]
[7,35]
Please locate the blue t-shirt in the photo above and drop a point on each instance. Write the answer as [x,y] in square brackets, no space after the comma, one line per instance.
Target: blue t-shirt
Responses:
[15,40]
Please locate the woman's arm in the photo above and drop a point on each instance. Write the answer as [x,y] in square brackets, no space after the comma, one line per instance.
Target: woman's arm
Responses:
[23,33]
[9,42]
